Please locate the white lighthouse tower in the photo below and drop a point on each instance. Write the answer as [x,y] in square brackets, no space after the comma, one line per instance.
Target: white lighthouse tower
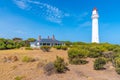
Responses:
[95,33]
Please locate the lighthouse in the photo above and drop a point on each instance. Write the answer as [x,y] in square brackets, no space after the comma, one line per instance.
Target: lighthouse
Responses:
[95,30]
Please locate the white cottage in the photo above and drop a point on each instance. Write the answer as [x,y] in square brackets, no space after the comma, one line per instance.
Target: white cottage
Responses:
[49,42]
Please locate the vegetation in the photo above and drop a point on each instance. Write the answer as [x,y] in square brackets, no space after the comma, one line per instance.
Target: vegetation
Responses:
[76,56]
[28,59]
[64,47]
[14,43]
[28,48]
[45,48]
[19,78]
[117,64]
[99,63]
[77,52]
[57,47]
[68,43]
[101,52]
[31,39]
[61,47]
[60,65]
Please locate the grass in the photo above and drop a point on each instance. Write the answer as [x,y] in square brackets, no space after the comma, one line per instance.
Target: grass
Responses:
[28,59]
[18,78]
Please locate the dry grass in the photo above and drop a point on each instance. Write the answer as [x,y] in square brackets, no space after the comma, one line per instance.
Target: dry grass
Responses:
[29,71]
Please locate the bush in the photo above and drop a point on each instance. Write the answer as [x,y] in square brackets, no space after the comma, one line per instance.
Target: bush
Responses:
[75,53]
[68,43]
[45,48]
[78,61]
[57,47]
[18,78]
[28,48]
[76,56]
[28,59]
[64,47]
[99,63]
[49,68]
[94,55]
[117,62]
[61,47]
[60,65]
[9,46]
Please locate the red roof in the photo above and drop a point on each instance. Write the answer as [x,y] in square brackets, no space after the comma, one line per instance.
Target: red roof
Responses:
[95,9]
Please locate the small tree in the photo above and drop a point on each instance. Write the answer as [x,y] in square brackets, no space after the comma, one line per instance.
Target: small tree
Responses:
[17,39]
[2,45]
[31,39]
[60,65]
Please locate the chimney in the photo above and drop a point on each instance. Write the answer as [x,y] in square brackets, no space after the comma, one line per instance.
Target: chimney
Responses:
[39,38]
[53,37]
[48,37]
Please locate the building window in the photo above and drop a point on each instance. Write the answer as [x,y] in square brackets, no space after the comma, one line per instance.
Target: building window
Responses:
[48,43]
[44,43]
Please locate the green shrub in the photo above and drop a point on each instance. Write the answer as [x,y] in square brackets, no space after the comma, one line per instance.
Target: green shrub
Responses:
[57,47]
[99,63]
[45,48]
[75,53]
[18,78]
[28,48]
[72,53]
[68,43]
[78,61]
[116,50]
[9,46]
[64,47]
[94,55]
[76,56]
[60,65]
[28,59]
[117,62]
[2,45]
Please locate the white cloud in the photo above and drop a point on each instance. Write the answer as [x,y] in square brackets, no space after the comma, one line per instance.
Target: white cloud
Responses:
[50,13]
[21,4]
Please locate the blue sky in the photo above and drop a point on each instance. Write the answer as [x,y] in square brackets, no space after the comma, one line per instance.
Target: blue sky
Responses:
[66,19]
